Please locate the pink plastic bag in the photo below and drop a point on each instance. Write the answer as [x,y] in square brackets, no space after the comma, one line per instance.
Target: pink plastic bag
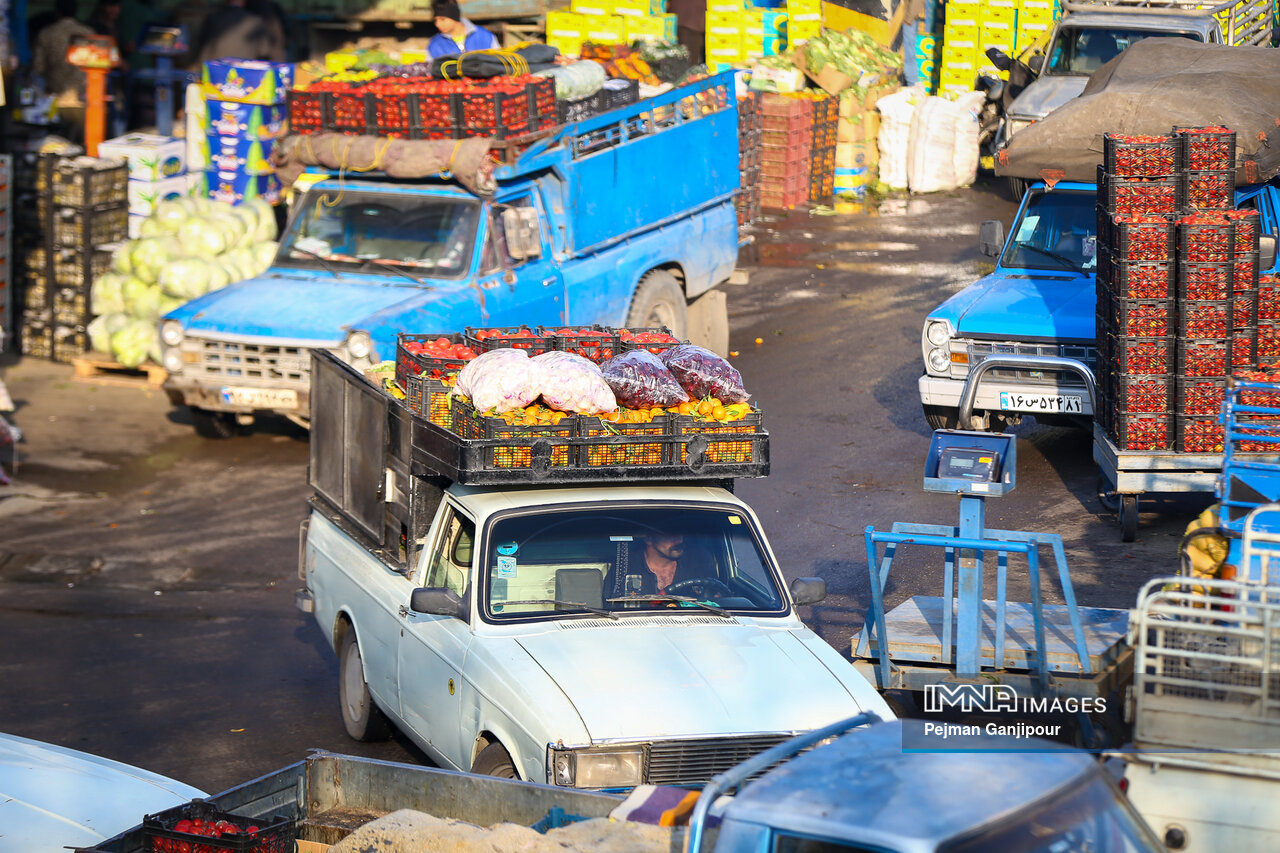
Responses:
[704,374]
[640,380]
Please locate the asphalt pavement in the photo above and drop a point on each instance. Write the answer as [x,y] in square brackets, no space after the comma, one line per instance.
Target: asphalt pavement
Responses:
[147,575]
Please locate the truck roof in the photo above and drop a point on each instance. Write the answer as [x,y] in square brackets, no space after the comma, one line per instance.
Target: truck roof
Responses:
[1166,20]
[865,787]
[488,500]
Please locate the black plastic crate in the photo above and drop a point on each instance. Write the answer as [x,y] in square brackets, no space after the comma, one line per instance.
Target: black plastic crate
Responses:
[1200,396]
[1199,435]
[1204,280]
[729,443]
[1147,395]
[1210,191]
[1244,313]
[484,339]
[89,182]
[1156,159]
[1244,272]
[70,306]
[597,343]
[1141,279]
[36,337]
[1268,341]
[1244,349]
[509,445]
[78,228]
[1205,242]
[1268,297]
[351,113]
[1119,196]
[430,398]
[568,111]
[1143,432]
[409,363]
[274,834]
[542,97]
[492,113]
[1207,149]
[611,445]
[1142,318]
[1204,357]
[619,92]
[70,342]
[306,111]
[434,115]
[79,269]
[1245,230]
[393,115]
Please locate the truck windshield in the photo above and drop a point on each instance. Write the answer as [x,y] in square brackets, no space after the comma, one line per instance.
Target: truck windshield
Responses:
[349,230]
[1083,50]
[1057,231]
[627,560]
[1093,816]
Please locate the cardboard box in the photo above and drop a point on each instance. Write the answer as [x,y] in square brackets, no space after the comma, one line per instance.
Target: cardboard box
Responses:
[606,29]
[247,81]
[566,44]
[724,24]
[145,195]
[150,157]
[650,28]
[765,79]
[235,187]
[241,154]
[228,118]
[594,8]
[726,6]
[566,25]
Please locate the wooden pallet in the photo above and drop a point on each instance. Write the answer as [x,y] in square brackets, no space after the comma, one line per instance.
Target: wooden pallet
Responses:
[103,370]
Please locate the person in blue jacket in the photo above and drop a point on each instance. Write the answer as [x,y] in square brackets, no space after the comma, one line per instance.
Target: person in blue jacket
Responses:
[457,34]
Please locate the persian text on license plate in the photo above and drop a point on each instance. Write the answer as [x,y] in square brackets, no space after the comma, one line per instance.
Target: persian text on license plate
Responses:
[1059,403]
[261,398]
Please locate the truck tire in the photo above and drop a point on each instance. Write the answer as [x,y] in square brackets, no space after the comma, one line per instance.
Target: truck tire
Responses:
[941,417]
[218,425]
[659,301]
[364,719]
[494,760]
[1017,188]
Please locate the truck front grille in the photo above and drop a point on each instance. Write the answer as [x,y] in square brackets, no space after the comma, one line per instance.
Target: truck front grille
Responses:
[978,350]
[247,363]
[694,762]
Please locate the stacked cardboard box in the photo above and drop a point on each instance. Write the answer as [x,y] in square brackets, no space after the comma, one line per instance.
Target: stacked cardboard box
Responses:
[973,26]
[786,141]
[609,22]
[157,170]
[245,114]
[804,20]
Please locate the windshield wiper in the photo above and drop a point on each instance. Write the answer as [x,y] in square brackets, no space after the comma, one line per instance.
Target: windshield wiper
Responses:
[714,608]
[1070,264]
[324,262]
[395,268]
[596,610]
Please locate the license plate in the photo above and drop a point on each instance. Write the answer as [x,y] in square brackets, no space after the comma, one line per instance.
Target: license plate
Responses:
[1059,403]
[260,398]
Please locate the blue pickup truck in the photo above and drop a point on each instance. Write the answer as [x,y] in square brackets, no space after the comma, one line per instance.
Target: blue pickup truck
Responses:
[1031,321]
[610,220]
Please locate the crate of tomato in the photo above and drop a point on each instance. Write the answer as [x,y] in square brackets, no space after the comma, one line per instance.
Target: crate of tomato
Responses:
[593,342]
[200,827]
[655,339]
[433,356]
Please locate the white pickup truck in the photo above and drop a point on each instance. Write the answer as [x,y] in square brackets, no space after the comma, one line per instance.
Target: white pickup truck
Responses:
[505,628]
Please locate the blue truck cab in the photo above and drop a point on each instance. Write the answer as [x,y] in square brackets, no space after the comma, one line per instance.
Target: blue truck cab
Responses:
[610,220]
[1022,340]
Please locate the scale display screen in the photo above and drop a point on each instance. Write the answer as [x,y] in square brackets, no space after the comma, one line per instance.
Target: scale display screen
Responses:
[969,463]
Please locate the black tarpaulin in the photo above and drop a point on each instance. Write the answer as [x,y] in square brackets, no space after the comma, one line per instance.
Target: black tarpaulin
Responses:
[1154,86]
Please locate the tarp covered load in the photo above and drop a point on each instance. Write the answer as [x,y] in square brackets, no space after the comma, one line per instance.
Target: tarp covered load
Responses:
[1154,86]
[466,160]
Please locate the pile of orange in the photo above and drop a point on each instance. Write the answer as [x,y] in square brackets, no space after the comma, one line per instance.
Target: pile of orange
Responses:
[711,409]
[531,415]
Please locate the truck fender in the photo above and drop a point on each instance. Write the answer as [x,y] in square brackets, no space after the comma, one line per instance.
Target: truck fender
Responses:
[496,731]
[709,321]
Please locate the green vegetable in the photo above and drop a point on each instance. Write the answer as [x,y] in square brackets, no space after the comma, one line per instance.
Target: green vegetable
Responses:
[134,341]
[105,296]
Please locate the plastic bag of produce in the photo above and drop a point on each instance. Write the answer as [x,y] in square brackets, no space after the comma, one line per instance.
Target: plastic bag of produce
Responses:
[105,296]
[640,380]
[122,259]
[141,300]
[501,379]
[149,256]
[266,216]
[203,237]
[264,254]
[571,383]
[134,341]
[185,278]
[101,329]
[704,374]
[170,214]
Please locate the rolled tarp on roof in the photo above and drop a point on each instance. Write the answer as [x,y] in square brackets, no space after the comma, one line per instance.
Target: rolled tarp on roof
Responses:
[1154,86]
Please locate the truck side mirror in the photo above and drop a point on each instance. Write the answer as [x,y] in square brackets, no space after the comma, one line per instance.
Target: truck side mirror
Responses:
[523,231]
[808,590]
[999,58]
[437,601]
[1267,252]
[991,238]
[1036,63]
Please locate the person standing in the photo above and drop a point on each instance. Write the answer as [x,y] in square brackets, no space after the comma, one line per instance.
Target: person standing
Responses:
[457,34]
[49,57]
[691,26]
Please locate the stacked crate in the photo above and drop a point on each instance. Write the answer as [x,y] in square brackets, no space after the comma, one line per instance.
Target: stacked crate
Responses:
[822,153]
[786,140]
[88,208]
[749,153]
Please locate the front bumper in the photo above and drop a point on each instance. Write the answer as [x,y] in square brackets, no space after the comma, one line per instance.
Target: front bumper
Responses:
[943,392]
[213,398]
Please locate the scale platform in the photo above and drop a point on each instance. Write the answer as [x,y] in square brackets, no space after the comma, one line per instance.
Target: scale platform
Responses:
[915,635]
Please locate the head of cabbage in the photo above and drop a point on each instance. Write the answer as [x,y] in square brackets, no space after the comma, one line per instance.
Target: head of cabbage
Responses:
[186,278]
[134,341]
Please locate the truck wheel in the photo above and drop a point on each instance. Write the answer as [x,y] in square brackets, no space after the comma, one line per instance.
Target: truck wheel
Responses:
[494,760]
[363,719]
[214,424]
[941,417]
[659,301]
[1017,188]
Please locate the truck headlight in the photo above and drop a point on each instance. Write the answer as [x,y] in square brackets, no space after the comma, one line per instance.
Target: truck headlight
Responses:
[173,360]
[939,360]
[613,767]
[171,333]
[937,346]
[359,345]
[937,332]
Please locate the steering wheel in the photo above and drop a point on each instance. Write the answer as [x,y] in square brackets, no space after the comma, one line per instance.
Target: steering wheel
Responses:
[703,587]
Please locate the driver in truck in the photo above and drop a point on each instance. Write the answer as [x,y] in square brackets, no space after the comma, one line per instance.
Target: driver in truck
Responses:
[660,560]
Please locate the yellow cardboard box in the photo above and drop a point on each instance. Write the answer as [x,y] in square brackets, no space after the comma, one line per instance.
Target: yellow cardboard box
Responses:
[726,5]
[650,28]
[567,45]
[607,29]
[591,7]
[724,24]
[798,31]
[566,24]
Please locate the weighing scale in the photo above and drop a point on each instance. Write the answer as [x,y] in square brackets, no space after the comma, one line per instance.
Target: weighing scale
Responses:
[164,43]
[94,55]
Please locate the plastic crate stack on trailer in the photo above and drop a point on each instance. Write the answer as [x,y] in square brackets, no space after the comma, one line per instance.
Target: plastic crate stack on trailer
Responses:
[787,138]
[1178,295]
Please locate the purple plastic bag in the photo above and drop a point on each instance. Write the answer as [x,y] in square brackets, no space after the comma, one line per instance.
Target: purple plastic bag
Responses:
[641,381]
[704,374]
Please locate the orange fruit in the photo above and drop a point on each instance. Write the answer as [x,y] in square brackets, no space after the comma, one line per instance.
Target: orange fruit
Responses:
[705,407]
[718,412]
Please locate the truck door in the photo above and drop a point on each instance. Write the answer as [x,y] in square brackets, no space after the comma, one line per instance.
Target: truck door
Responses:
[432,648]
[520,286]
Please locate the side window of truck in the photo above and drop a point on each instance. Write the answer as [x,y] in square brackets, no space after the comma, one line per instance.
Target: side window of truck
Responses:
[451,555]
[495,256]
